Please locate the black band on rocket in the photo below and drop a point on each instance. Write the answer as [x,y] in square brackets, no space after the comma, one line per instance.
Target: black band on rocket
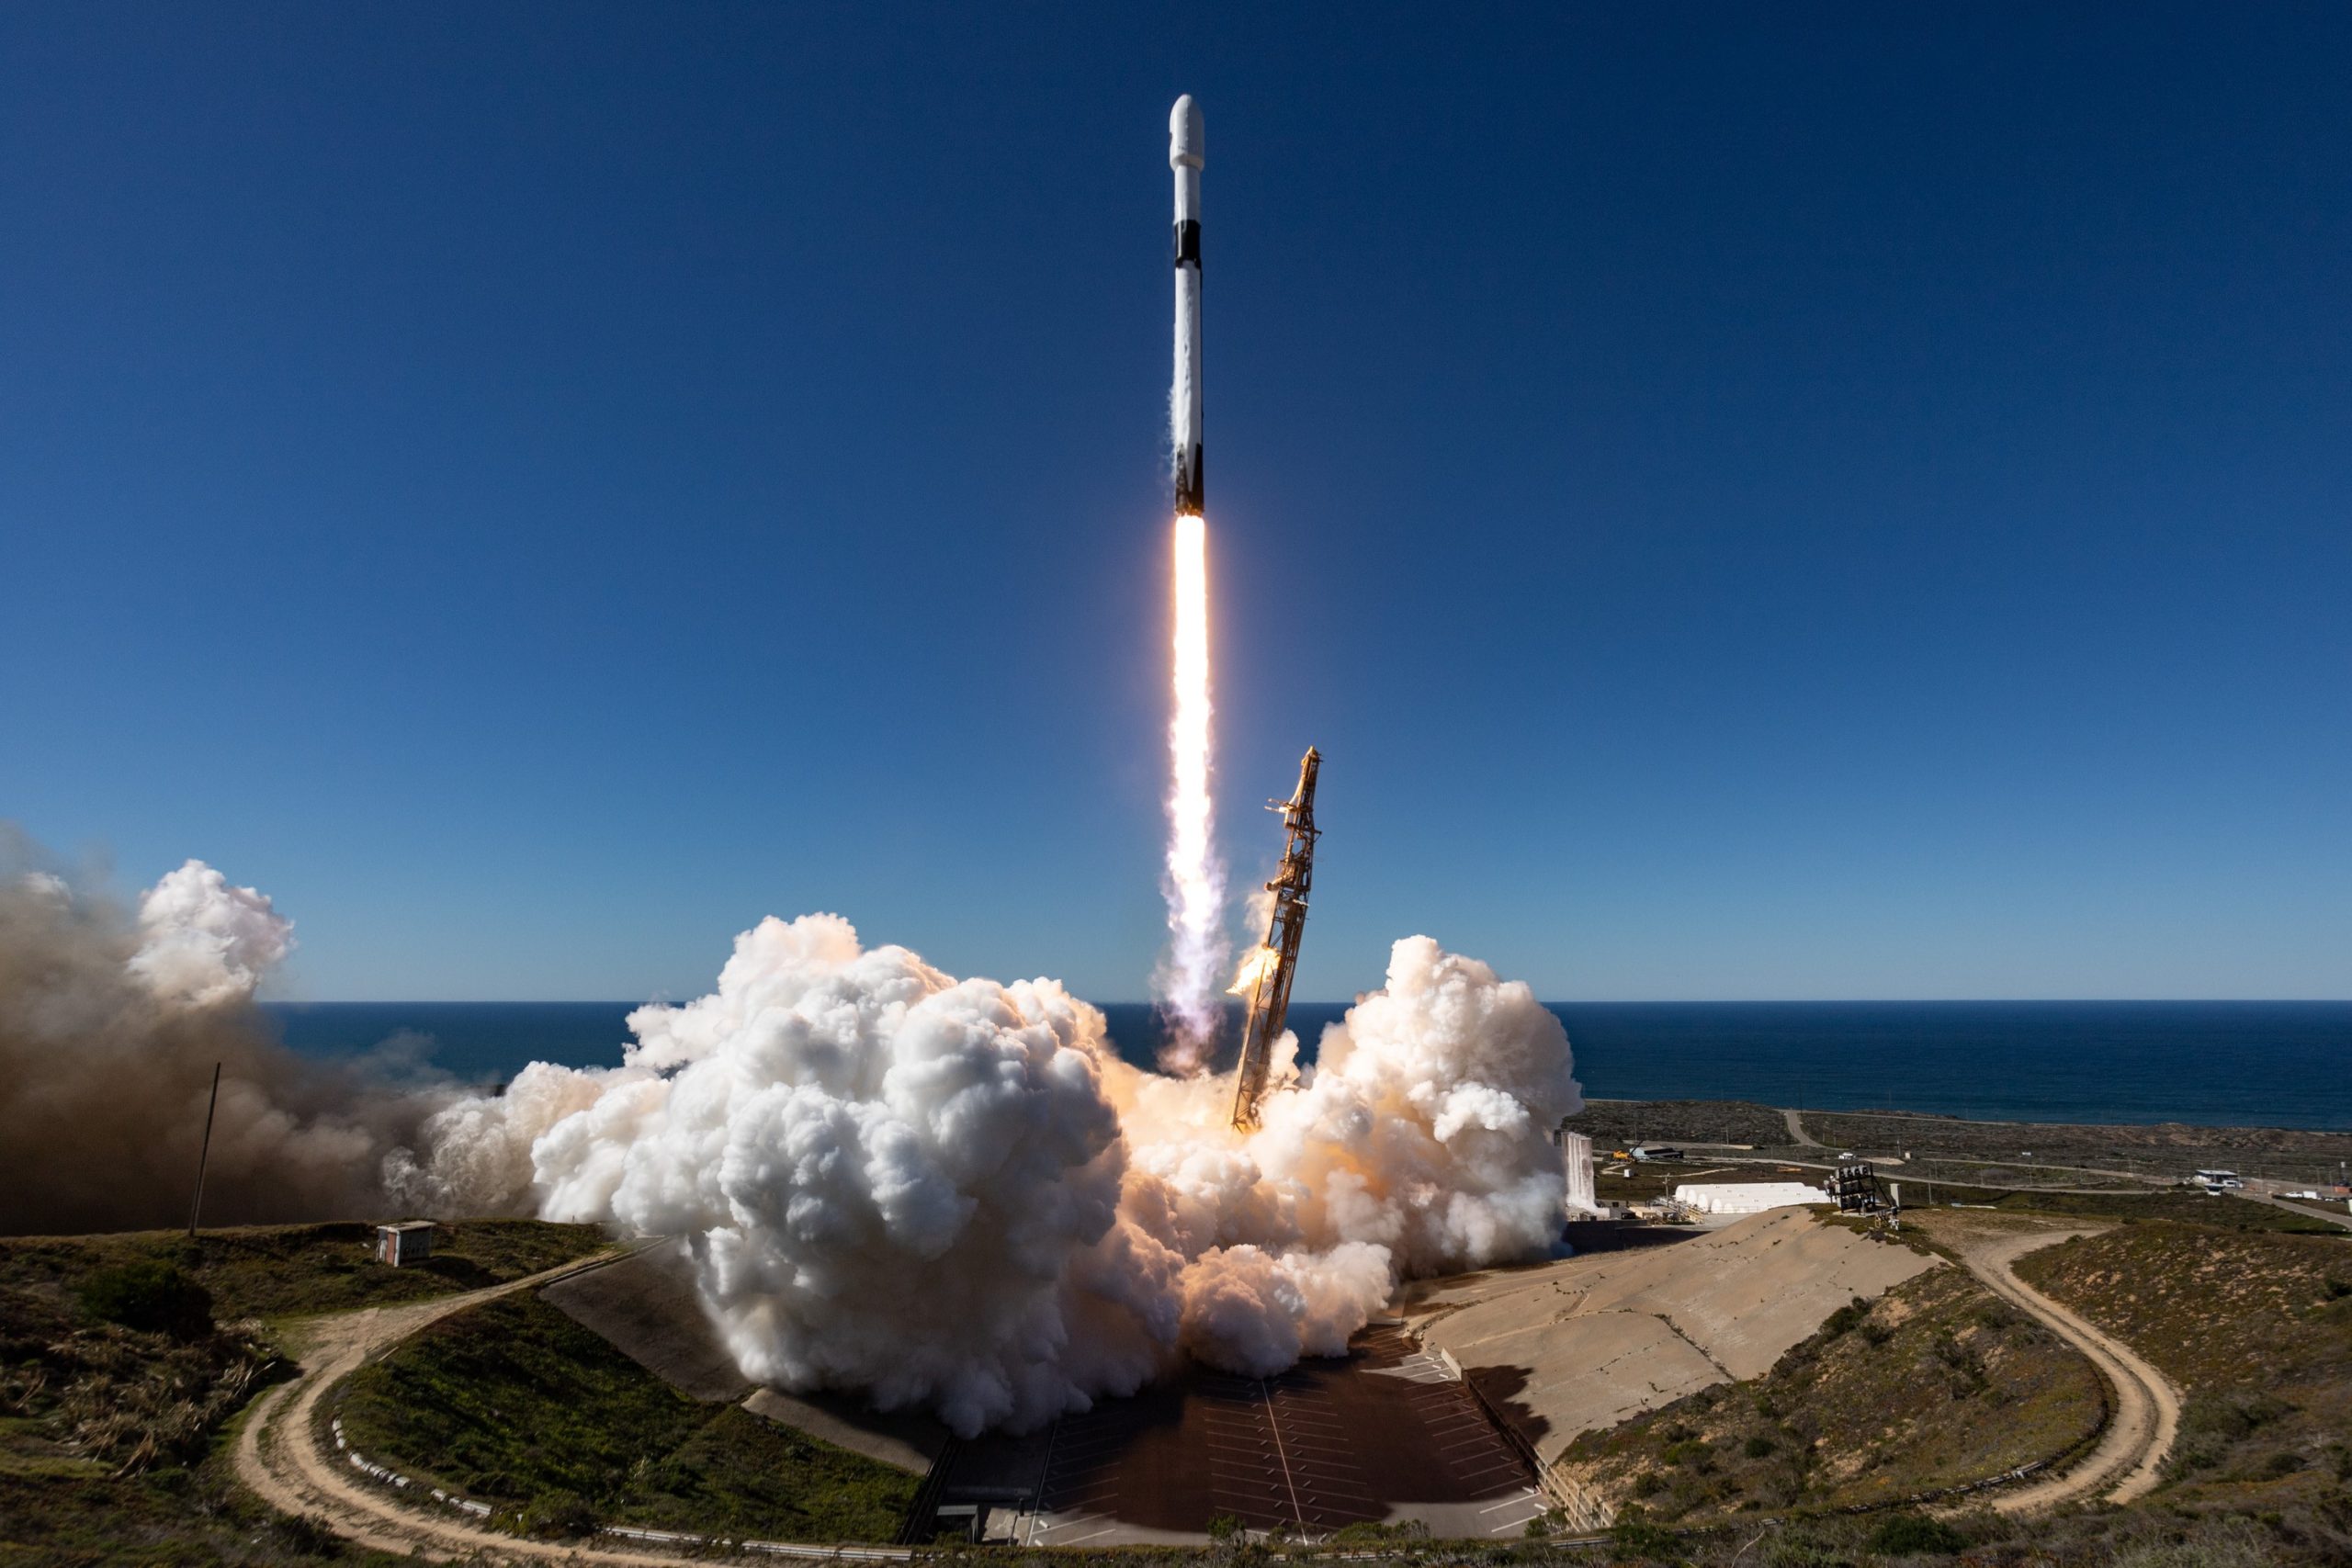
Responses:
[1188,241]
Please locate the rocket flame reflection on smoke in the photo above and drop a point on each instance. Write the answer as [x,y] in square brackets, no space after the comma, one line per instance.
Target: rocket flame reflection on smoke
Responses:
[1195,885]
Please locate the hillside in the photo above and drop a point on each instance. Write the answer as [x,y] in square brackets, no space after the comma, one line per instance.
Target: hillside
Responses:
[513,1404]
[2256,1327]
[1935,1384]
[275,1271]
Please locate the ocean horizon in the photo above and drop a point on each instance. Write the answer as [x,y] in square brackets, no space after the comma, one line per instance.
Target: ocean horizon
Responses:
[2205,1063]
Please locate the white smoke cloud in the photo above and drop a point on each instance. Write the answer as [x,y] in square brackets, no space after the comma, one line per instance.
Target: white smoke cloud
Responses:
[953,1193]
[203,942]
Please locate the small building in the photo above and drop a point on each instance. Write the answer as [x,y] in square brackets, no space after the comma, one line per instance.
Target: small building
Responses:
[407,1242]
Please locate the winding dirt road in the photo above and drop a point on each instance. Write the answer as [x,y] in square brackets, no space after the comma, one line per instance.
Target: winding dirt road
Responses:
[279,1455]
[2129,1453]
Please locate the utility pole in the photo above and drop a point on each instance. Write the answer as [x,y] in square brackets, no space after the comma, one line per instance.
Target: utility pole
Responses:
[204,1155]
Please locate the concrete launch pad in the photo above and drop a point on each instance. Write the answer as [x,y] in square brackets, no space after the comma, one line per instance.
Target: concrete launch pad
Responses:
[1384,1434]
[1566,1348]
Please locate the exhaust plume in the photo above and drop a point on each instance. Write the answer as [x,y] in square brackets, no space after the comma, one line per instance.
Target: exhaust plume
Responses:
[110,1022]
[1190,980]
[947,1193]
[952,1194]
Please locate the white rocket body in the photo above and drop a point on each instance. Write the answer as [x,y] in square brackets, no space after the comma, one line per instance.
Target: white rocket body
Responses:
[1185,157]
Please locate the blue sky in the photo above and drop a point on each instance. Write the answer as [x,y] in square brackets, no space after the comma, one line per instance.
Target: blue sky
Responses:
[1795,502]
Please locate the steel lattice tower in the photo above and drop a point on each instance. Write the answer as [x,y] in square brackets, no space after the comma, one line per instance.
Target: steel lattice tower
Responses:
[1270,997]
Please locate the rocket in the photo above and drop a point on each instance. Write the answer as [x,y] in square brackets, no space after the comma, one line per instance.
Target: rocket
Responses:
[1186,159]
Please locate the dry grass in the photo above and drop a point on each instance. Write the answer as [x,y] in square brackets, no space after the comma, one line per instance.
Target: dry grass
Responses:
[2257,1329]
[272,1271]
[2170,1148]
[1615,1124]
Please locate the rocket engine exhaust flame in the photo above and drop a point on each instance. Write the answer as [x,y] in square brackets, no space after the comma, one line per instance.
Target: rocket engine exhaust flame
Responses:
[1253,967]
[1196,880]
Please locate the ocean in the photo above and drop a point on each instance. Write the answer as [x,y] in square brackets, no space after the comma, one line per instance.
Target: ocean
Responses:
[2216,1064]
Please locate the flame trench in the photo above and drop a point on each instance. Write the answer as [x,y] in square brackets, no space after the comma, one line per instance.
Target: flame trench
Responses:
[1191,978]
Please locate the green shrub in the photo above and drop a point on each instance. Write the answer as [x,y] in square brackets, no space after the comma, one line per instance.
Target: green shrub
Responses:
[1636,1537]
[564,1515]
[1845,1318]
[1761,1447]
[1905,1535]
[306,1534]
[150,1295]
[1225,1526]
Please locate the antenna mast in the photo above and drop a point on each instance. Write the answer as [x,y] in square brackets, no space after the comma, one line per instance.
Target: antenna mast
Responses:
[1270,997]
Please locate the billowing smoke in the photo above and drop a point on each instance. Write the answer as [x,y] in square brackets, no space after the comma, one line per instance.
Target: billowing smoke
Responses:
[110,1022]
[952,1194]
[947,1193]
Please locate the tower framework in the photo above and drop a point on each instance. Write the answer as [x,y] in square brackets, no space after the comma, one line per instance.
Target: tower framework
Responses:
[1269,996]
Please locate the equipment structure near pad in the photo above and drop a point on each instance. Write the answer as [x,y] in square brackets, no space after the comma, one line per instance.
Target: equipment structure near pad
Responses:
[1270,997]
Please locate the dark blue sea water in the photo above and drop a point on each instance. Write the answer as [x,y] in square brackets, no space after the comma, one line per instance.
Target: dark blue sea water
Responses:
[2221,1064]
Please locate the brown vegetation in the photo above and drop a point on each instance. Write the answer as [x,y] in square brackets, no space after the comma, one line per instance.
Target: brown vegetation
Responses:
[2256,1327]
[1937,1384]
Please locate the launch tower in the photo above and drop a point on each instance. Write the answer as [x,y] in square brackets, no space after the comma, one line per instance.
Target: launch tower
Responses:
[1270,997]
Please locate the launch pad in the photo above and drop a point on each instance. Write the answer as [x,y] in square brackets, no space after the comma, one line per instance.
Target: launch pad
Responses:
[1384,1434]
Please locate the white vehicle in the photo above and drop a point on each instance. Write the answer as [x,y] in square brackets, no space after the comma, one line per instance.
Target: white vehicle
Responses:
[2217,1178]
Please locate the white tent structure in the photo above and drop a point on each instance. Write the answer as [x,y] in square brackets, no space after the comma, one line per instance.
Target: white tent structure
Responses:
[1745,1197]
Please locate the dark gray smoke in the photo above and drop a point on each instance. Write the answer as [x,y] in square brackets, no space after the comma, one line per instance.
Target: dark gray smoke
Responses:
[110,1022]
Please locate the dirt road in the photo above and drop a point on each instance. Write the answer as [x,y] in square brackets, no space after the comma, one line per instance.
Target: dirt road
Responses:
[279,1455]
[2146,1418]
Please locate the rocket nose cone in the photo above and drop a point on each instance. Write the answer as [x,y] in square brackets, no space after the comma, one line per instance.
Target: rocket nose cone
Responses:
[1186,144]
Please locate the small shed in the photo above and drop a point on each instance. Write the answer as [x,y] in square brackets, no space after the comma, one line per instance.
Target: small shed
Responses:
[401,1245]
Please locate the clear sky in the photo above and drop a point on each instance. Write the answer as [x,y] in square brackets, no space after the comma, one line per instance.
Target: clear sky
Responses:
[1751,502]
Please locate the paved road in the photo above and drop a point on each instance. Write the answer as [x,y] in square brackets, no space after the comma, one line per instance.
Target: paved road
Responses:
[2127,1460]
[1797,1134]
[2343,1220]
